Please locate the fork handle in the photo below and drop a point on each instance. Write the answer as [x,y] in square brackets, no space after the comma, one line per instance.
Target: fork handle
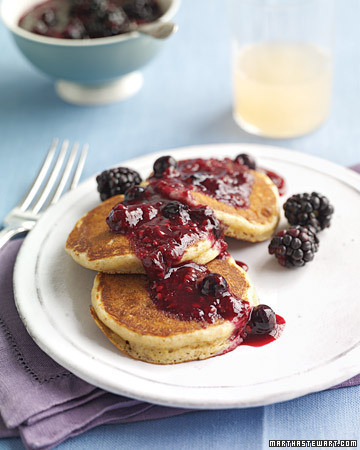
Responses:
[7,233]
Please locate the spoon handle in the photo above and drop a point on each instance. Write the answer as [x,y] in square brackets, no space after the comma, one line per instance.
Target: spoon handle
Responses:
[157,30]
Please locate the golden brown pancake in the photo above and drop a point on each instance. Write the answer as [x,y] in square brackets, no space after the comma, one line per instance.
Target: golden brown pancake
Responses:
[124,311]
[254,224]
[93,245]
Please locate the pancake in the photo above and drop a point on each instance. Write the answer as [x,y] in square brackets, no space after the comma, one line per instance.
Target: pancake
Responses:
[123,310]
[93,245]
[254,224]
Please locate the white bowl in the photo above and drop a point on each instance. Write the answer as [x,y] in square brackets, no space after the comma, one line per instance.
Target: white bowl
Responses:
[87,71]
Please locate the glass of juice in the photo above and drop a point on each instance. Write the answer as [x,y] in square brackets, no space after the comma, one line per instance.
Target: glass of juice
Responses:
[282,65]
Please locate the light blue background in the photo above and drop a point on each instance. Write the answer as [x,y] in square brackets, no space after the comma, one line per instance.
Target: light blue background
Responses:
[186,100]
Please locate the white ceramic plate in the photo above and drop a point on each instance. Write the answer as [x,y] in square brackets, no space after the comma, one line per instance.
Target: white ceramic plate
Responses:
[320,346]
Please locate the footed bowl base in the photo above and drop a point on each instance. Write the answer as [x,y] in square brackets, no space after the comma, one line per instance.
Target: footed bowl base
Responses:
[99,94]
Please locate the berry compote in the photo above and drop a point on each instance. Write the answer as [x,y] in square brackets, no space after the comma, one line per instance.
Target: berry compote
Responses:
[277,179]
[243,265]
[250,162]
[225,180]
[163,219]
[181,292]
[88,19]
[161,229]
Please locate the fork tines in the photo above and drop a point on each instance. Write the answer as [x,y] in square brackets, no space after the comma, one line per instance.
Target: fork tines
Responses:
[54,175]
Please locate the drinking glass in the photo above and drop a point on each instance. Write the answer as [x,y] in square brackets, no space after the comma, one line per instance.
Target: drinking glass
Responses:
[282,65]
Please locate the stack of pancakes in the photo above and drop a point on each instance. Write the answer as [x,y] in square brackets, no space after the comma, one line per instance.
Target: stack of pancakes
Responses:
[121,302]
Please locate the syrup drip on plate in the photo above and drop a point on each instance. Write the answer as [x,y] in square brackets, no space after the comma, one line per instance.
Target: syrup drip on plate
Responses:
[258,340]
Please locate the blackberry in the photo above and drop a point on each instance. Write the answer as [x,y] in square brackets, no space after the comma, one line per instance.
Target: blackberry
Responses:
[262,320]
[213,284]
[307,210]
[116,181]
[246,160]
[294,247]
[163,163]
[100,18]
[142,10]
[108,22]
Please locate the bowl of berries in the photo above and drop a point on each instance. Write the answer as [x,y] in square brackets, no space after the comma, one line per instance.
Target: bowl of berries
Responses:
[93,49]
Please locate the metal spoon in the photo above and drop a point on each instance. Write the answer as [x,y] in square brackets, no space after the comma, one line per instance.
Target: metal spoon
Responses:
[157,30]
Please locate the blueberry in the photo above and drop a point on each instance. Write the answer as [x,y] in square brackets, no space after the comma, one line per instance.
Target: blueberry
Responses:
[213,284]
[262,320]
[174,209]
[161,164]
[247,160]
[133,193]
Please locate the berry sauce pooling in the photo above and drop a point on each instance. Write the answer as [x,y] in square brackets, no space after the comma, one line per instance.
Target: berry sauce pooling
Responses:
[249,161]
[162,220]
[277,179]
[225,180]
[195,302]
[258,340]
[160,230]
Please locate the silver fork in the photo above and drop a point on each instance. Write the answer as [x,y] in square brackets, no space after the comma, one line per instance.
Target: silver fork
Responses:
[45,190]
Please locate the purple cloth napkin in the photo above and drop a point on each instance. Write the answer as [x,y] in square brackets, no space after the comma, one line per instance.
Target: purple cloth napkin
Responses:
[43,402]
[40,400]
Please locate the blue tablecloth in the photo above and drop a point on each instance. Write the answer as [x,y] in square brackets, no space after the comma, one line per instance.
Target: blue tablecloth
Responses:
[186,99]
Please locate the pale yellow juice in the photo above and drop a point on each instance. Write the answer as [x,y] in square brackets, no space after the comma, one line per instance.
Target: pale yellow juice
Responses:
[281,89]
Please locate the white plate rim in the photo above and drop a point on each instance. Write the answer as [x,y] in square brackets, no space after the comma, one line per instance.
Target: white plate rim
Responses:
[343,367]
